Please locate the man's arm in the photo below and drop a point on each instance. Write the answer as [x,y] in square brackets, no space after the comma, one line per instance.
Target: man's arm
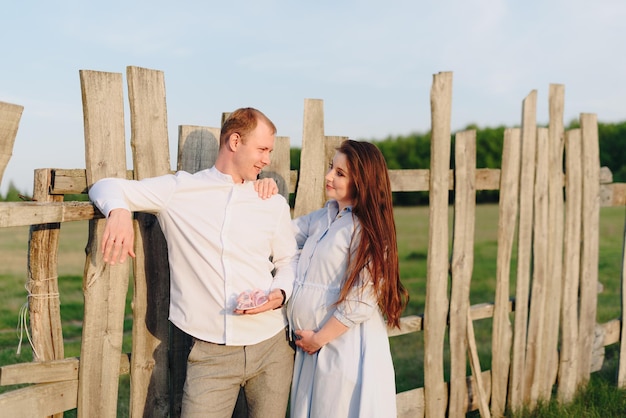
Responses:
[117,199]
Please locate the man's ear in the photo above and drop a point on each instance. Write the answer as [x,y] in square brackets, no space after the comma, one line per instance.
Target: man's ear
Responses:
[234,140]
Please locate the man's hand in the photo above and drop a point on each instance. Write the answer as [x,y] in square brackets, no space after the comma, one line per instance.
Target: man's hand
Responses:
[119,237]
[266,187]
[275,301]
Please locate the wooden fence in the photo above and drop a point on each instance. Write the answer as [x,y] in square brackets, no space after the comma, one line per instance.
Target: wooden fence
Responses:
[543,340]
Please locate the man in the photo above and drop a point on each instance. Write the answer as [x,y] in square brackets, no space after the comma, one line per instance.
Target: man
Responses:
[222,240]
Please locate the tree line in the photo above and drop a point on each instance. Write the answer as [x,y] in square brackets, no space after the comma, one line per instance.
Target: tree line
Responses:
[413,151]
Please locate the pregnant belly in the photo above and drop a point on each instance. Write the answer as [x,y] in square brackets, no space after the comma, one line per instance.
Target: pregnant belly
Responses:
[310,309]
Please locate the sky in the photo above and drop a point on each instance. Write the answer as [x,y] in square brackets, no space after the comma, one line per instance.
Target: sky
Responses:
[371,62]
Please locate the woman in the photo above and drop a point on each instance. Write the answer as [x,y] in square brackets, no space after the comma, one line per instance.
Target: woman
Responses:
[347,292]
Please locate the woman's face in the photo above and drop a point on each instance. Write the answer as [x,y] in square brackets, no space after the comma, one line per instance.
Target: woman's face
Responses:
[339,181]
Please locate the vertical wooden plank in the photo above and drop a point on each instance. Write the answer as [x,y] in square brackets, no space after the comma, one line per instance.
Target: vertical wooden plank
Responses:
[104,286]
[279,168]
[43,286]
[507,221]
[621,372]
[555,238]
[43,399]
[481,392]
[310,189]
[149,142]
[527,180]
[462,266]
[568,367]
[535,354]
[330,147]
[436,307]
[197,147]
[589,251]
[410,404]
[10,115]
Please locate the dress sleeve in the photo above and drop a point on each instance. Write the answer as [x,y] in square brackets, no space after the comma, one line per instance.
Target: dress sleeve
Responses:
[360,304]
[301,229]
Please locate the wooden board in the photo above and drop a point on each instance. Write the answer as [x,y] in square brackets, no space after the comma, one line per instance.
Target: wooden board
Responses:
[312,160]
[30,213]
[507,222]
[10,115]
[436,307]
[197,147]
[568,361]
[621,372]
[462,266]
[589,240]
[524,247]
[40,400]
[48,371]
[43,287]
[535,356]
[555,240]
[149,385]
[104,286]
[279,168]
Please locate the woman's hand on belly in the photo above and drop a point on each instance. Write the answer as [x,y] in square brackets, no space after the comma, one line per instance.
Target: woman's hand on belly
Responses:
[305,339]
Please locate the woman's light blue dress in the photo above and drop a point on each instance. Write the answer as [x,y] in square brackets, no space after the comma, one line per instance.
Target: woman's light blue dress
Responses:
[353,375]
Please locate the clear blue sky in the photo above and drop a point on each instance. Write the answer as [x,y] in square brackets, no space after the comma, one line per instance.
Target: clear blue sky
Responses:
[372,63]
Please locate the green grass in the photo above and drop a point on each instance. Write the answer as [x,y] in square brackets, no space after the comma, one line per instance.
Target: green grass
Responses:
[407,350]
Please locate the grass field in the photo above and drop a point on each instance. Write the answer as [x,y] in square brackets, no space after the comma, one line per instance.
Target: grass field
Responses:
[412,225]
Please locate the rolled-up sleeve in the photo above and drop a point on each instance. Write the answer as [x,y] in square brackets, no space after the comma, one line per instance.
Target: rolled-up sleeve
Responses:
[360,304]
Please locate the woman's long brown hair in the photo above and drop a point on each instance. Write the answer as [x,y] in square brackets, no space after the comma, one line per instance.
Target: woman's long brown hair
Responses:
[377,248]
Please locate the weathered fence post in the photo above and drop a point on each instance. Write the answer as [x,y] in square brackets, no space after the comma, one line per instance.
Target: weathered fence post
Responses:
[621,372]
[149,395]
[280,169]
[436,308]
[555,239]
[524,247]
[43,285]
[507,221]
[568,361]
[462,267]
[10,115]
[554,283]
[589,239]
[536,316]
[312,164]
[105,287]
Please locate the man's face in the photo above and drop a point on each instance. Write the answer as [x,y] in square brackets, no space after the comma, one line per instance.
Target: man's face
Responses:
[253,153]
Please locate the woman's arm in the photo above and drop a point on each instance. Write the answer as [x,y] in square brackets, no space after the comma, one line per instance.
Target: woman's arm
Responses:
[311,341]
